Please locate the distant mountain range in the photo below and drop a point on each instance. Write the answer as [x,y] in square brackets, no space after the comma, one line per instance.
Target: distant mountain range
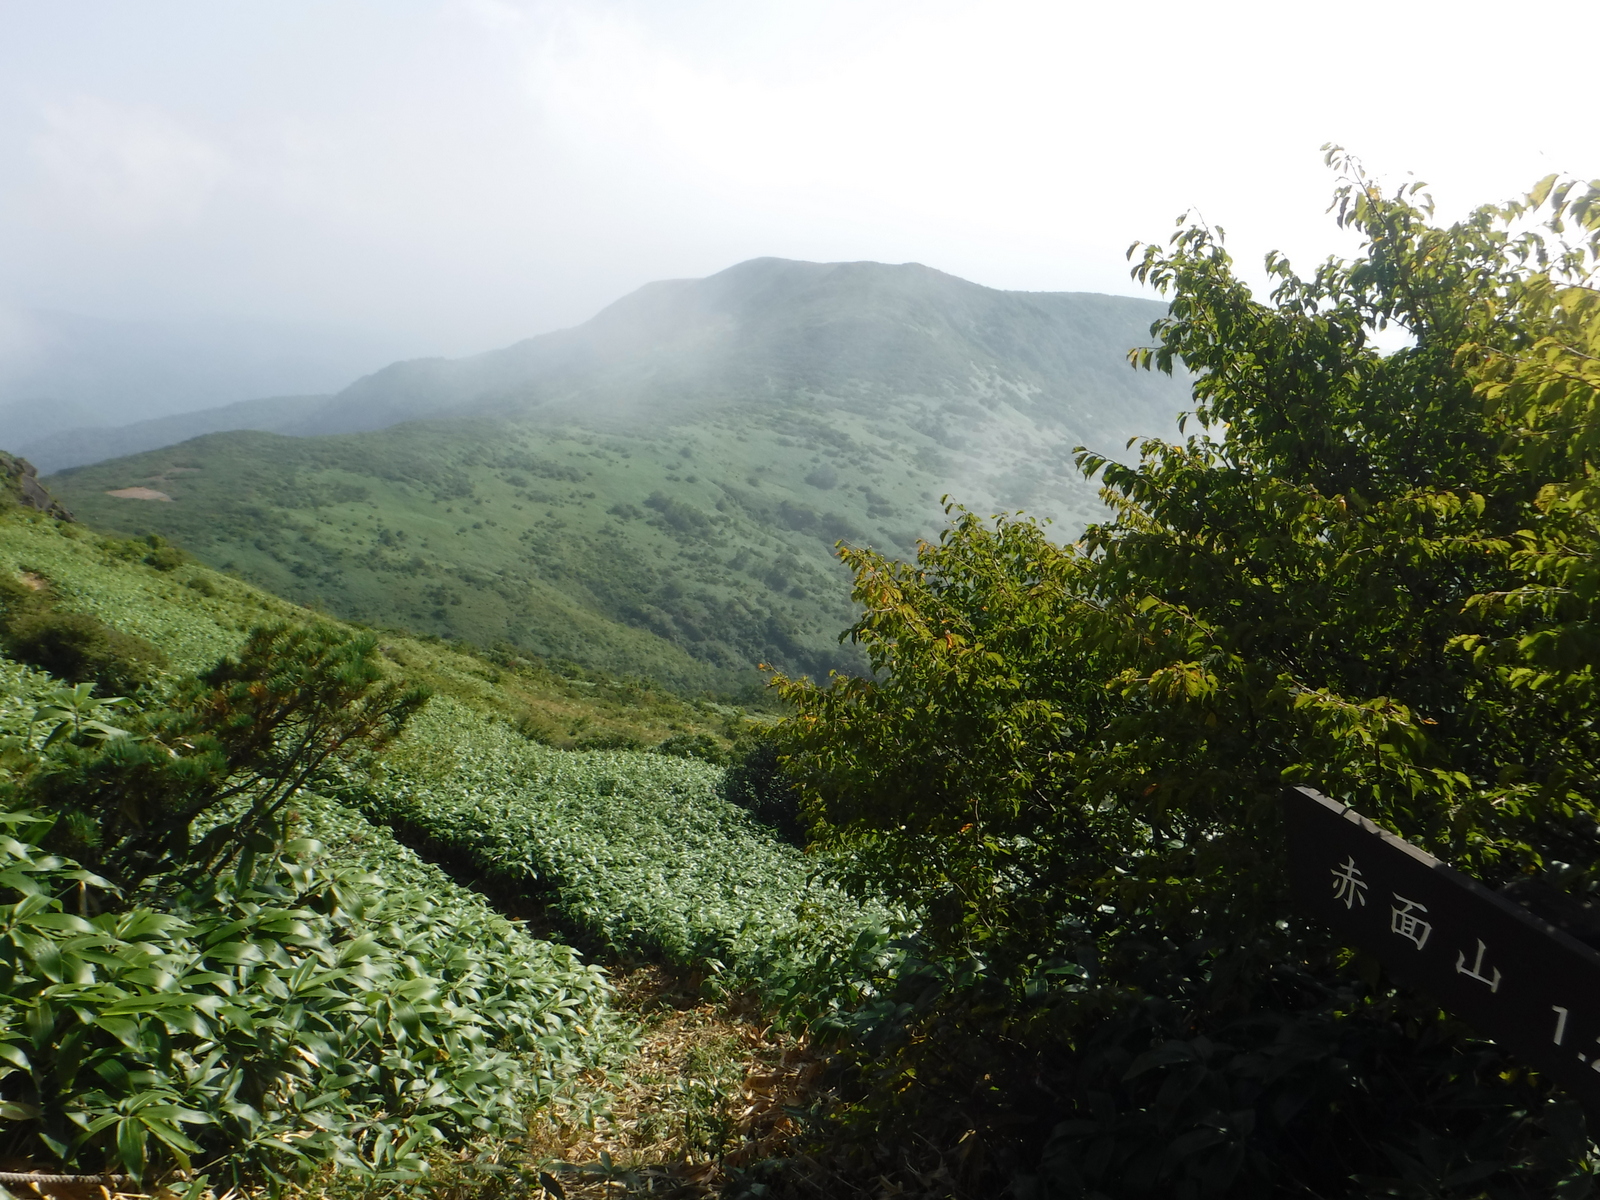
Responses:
[95,444]
[61,372]
[81,445]
[659,489]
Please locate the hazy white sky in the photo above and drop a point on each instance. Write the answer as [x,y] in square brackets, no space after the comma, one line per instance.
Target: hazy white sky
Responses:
[466,172]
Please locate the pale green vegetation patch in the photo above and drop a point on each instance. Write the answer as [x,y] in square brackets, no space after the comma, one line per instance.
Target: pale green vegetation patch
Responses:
[194,615]
[638,853]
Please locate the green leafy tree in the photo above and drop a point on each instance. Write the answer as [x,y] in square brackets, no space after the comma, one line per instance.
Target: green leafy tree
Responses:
[1372,572]
[755,781]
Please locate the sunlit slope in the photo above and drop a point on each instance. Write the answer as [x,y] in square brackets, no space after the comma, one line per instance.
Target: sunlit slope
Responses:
[660,490]
[196,615]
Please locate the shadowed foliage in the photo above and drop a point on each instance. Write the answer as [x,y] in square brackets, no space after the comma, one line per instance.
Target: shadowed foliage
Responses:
[1369,572]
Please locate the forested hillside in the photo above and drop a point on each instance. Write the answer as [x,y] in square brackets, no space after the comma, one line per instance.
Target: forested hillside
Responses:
[659,491]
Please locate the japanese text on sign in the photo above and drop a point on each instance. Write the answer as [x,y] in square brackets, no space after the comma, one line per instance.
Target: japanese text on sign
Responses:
[1520,981]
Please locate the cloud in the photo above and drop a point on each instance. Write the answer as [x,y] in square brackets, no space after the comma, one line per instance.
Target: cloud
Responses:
[491,168]
[22,339]
[122,168]
[496,16]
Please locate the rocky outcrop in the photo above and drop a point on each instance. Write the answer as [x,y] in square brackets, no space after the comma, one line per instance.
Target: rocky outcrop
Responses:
[19,480]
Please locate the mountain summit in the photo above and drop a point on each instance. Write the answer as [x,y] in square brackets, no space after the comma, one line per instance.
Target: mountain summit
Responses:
[772,329]
[663,485]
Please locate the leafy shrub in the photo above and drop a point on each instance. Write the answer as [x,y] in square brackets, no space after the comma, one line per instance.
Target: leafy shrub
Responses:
[243,738]
[74,646]
[756,783]
[692,745]
[680,517]
[82,649]
[536,729]
[15,597]
[163,556]
[606,741]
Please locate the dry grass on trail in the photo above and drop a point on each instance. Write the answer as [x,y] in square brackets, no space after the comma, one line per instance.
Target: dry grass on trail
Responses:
[704,1095]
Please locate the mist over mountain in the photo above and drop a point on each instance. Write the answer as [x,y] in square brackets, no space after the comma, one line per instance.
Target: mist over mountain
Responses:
[64,371]
[769,330]
[660,489]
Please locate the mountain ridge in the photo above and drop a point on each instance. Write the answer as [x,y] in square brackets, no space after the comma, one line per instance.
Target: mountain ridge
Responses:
[620,338]
[61,371]
[793,327]
[79,447]
[662,487]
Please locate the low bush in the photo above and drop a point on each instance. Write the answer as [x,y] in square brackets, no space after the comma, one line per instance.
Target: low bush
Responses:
[74,646]
[163,556]
[82,649]
[692,745]
[16,596]
[241,738]
[607,741]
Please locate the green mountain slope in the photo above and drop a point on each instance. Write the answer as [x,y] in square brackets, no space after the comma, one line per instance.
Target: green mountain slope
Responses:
[195,615]
[771,331]
[408,1016]
[659,491]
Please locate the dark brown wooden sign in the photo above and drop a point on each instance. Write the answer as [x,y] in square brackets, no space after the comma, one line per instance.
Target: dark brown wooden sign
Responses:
[1519,980]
